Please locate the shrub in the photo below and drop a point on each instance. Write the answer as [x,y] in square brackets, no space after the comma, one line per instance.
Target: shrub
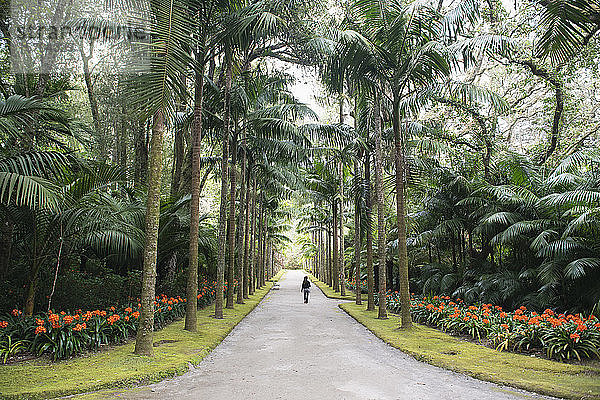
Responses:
[559,336]
[65,334]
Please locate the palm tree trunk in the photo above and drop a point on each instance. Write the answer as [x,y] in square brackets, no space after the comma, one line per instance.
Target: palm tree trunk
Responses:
[246,211]
[342,260]
[401,218]
[381,264]
[263,265]
[259,232]
[329,257]
[369,215]
[191,306]
[178,158]
[140,176]
[336,254]
[357,239]
[32,288]
[251,255]
[145,333]
[223,206]
[231,226]
[89,86]
[241,227]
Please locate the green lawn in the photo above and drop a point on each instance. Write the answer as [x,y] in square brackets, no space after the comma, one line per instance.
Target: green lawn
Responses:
[517,370]
[174,350]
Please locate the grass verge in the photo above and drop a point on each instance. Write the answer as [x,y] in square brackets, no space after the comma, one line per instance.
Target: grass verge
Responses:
[516,370]
[328,291]
[175,349]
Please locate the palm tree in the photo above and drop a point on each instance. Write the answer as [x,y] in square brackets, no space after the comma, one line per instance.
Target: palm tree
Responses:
[570,25]
[153,92]
[205,12]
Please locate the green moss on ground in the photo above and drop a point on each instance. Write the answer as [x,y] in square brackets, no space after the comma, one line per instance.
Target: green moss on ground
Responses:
[174,350]
[516,370]
[329,292]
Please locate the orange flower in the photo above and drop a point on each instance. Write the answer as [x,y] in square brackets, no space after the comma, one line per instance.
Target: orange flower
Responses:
[136,314]
[3,324]
[485,321]
[128,310]
[40,329]
[505,326]
[67,319]
[39,322]
[581,327]
[574,336]
[16,312]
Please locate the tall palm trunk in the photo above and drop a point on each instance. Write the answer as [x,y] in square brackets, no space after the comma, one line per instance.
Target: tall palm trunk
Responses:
[143,342]
[223,206]
[329,258]
[259,233]
[85,58]
[369,214]
[336,254]
[323,256]
[246,233]
[342,258]
[242,226]
[401,218]
[381,250]
[192,279]
[357,239]
[264,260]
[231,226]
[251,255]
[140,163]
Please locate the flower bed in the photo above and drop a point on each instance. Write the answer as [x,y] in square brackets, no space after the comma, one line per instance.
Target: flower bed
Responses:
[559,336]
[65,334]
[352,286]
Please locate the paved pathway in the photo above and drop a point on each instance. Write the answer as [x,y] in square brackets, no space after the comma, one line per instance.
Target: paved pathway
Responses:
[286,349]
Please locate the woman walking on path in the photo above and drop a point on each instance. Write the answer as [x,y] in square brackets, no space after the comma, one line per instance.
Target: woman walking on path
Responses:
[305,288]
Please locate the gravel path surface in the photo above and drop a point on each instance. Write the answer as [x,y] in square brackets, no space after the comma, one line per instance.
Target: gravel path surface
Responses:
[286,349]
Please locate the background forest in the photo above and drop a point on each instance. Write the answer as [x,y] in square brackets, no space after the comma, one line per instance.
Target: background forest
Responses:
[458,148]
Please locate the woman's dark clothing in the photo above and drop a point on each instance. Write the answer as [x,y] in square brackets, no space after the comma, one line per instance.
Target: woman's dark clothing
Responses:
[305,289]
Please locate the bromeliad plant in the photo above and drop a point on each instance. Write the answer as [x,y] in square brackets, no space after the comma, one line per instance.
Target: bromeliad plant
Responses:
[560,336]
[63,334]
